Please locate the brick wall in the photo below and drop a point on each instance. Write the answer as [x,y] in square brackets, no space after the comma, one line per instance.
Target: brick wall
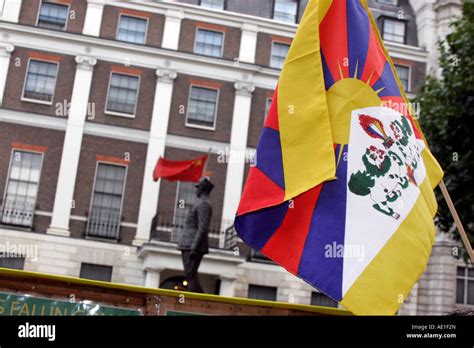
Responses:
[264,44]
[117,150]
[51,142]
[111,17]
[77,12]
[257,114]
[16,78]
[231,37]
[146,94]
[179,105]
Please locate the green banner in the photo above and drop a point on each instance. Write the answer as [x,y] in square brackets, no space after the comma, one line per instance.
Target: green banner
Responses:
[16,305]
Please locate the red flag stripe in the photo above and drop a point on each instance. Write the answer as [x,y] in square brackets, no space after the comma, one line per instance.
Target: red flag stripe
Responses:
[333,36]
[286,245]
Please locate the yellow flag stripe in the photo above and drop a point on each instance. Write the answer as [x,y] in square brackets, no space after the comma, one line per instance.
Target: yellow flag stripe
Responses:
[390,276]
[305,129]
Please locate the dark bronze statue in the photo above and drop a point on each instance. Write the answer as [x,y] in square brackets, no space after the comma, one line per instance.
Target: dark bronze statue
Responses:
[194,241]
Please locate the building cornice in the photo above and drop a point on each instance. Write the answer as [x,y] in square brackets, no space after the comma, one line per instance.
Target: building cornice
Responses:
[130,54]
[112,132]
[227,18]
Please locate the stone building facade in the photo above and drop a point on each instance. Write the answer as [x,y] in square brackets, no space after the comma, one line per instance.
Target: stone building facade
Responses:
[93,92]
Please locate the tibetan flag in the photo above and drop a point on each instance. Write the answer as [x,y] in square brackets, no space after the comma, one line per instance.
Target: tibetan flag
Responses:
[190,171]
[341,189]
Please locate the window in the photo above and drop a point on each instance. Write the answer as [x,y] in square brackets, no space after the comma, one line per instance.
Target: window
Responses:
[389,2]
[53,16]
[259,292]
[22,188]
[123,94]
[13,262]
[214,4]
[202,107]
[96,272]
[256,256]
[285,11]
[40,81]
[268,104]
[394,30]
[319,299]
[465,285]
[403,73]
[132,29]
[104,217]
[279,52]
[185,198]
[209,43]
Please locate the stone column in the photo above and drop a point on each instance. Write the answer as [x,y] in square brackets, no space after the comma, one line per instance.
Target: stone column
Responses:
[248,43]
[156,148]
[237,152]
[5,54]
[172,29]
[11,10]
[152,278]
[93,20]
[72,146]
[227,287]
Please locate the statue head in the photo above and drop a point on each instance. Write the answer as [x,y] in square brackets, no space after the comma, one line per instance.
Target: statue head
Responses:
[204,187]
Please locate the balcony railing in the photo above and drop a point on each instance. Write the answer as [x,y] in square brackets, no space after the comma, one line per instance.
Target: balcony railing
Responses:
[167,227]
[17,212]
[103,223]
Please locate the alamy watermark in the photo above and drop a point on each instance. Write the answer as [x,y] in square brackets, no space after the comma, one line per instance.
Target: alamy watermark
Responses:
[348,251]
[17,250]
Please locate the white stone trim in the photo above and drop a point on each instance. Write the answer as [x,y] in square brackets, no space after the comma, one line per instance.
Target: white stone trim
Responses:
[248,43]
[238,147]
[28,119]
[5,53]
[138,55]
[172,29]
[11,10]
[156,148]
[114,132]
[93,19]
[72,147]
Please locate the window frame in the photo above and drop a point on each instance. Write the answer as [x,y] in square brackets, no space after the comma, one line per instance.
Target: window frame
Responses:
[393,2]
[132,16]
[326,297]
[408,90]
[465,278]
[55,3]
[94,264]
[267,108]
[224,6]
[386,18]
[296,14]
[37,101]
[216,112]
[121,114]
[176,201]
[215,31]
[91,199]
[17,256]
[12,152]
[271,53]
[261,287]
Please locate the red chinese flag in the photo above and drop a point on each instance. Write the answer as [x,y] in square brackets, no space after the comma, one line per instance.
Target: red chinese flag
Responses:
[180,170]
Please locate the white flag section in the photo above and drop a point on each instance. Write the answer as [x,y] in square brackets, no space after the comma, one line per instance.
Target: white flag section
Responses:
[385,170]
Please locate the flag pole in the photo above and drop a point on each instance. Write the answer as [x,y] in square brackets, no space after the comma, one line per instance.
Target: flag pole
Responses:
[457,220]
